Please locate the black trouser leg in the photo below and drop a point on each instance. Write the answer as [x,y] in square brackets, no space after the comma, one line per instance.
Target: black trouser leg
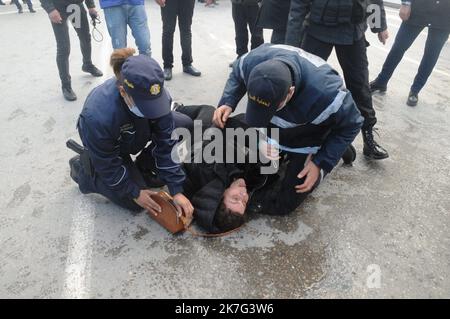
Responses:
[286,199]
[18,5]
[61,32]
[169,19]
[84,35]
[278,37]
[354,63]
[257,32]
[240,28]
[29,4]
[316,47]
[185,14]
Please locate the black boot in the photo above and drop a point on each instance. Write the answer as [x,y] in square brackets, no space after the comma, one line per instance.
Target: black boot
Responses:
[92,69]
[375,86]
[75,168]
[167,74]
[349,155]
[189,69]
[371,148]
[413,99]
[68,93]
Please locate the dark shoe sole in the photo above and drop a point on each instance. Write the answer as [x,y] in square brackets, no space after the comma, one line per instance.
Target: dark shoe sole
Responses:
[411,103]
[72,163]
[350,155]
[193,74]
[70,99]
[373,157]
[97,75]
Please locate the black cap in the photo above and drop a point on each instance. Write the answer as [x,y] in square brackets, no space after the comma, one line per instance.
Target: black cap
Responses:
[268,84]
[143,80]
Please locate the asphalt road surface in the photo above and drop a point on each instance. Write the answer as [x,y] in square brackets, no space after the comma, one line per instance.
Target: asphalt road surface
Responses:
[374,230]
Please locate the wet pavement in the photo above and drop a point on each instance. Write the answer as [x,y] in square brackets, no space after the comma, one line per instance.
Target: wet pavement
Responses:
[373,230]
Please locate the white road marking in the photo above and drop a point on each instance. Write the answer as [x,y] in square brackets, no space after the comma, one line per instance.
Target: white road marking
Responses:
[79,256]
[15,12]
[77,282]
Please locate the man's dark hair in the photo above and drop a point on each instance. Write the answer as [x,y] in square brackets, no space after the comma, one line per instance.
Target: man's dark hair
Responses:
[225,219]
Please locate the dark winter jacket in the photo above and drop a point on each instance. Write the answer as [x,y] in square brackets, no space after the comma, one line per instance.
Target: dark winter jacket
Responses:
[206,183]
[109,130]
[50,5]
[273,14]
[320,119]
[338,22]
[430,13]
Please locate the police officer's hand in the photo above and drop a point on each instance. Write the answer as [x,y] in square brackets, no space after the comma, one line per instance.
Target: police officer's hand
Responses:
[383,36]
[145,201]
[312,173]
[221,115]
[55,17]
[184,205]
[405,12]
[162,3]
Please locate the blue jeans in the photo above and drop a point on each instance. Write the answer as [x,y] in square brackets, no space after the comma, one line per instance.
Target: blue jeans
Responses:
[118,17]
[405,37]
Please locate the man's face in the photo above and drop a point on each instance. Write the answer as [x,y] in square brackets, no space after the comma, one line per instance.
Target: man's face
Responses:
[236,197]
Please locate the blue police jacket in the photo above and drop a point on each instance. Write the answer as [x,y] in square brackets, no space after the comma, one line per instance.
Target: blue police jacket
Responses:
[109,131]
[320,119]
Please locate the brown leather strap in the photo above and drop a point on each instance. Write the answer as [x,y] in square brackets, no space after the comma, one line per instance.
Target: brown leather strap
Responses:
[198,234]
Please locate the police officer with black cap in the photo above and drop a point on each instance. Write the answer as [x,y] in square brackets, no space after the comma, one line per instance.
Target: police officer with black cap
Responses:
[302,96]
[118,120]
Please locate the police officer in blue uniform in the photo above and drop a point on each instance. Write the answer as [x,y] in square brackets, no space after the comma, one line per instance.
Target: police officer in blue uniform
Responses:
[302,96]
[118,120]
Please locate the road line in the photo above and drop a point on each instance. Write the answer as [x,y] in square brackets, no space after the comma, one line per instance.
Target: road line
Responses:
[15,12]
[79,256]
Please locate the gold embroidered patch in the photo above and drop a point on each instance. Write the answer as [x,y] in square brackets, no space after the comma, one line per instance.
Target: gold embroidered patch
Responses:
[155,89]
[128,83]
[259,100]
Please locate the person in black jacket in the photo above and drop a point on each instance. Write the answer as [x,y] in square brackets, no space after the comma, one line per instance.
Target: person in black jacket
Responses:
[224,194]
[273,15]
[245,13]
[58,12]
[416,15]
[119,118]
[342,25]
[183,10]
